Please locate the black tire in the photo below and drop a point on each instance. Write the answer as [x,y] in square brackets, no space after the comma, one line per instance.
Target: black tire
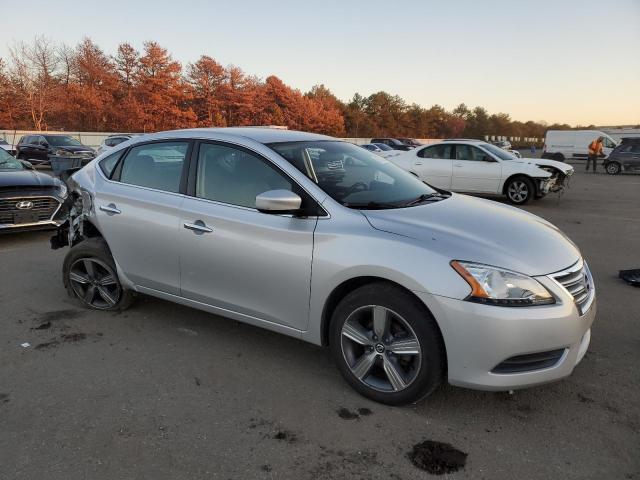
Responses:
[101,284]
[613,168]
[423,372]
[558,157]
[520,190]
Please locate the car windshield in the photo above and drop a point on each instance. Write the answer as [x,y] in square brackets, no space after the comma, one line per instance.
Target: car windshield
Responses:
[499,152]
[62,141]
[355,177]
[383,146]
[8,162]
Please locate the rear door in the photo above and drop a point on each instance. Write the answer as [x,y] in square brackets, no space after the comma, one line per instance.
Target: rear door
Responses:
[434,165]
[475,170]
[138,212]
[234,257]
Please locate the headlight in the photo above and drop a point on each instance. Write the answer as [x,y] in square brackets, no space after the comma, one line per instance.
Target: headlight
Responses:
[496,286]
[62,190]
[60,152]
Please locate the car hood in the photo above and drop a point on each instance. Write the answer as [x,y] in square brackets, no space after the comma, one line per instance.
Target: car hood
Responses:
[75,148]
[543,162]
[26,178]
[483,231]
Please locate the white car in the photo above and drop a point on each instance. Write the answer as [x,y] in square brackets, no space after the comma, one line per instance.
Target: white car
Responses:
[474,166]
[6,146]
[111,141]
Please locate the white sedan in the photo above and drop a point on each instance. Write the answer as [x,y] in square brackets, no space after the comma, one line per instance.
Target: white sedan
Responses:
[474,166]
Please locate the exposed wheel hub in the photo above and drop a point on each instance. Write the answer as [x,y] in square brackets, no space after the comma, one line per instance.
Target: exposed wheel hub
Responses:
[379,348]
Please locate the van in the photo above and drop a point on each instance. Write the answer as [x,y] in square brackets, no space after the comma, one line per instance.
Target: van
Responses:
[564,144]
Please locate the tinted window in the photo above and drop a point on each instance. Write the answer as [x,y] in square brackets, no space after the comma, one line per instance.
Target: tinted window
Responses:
[108,164]
[437,151]
[468,152]
[155,165]
[229,175]
[61,141]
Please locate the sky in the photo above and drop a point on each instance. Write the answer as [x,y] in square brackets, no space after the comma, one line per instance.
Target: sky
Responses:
[567,61]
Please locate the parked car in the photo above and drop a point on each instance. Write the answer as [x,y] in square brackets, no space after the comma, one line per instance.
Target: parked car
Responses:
[474,166]
[624,158]
[29,200]
[411,286]
[7,147]
[381,150]
[111,141]
[506,145]
[394,143]
[412,142]
[39,149]
[563,144]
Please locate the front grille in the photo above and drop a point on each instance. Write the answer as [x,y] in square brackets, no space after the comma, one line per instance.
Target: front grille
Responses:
[529,362]
[44,207]
[577,280]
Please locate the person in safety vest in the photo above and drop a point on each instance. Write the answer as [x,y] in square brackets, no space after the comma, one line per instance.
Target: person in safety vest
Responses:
[595,151]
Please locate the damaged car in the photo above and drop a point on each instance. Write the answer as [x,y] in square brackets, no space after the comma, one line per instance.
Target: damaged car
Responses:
[321,240]
[29,200]
[478,167]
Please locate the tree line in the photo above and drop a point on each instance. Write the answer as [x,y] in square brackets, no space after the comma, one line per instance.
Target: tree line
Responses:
[45,86]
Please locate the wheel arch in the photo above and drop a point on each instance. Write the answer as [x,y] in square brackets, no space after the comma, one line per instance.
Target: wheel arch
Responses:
[348,286]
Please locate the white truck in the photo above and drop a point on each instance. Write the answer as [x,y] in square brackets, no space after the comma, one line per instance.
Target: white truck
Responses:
[561,145]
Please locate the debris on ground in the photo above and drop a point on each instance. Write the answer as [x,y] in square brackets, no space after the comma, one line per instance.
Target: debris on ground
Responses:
[197,380]
[73,337]
[437,458]
[42,326]
[347,414]
[364,411]
[286,436]
[632,277]
[45,345]
[25,345]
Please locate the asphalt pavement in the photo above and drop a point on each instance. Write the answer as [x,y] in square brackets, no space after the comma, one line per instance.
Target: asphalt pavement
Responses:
[162,391]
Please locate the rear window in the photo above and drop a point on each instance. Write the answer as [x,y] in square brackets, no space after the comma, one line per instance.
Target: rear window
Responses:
[107,164]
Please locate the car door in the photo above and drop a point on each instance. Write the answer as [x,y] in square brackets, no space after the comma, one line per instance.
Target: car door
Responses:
[474,170]
[234,257]
[40,149]
[433,165]
[28,149]
[630,157]
[138,212]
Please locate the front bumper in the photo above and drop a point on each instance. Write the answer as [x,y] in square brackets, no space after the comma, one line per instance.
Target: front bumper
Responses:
[480,337]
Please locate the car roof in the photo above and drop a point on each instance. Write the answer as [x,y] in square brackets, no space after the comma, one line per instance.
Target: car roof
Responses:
[470,140]
[257,134]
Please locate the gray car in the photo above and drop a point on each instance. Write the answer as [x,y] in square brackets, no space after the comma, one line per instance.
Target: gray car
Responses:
[624,158]
[324,241]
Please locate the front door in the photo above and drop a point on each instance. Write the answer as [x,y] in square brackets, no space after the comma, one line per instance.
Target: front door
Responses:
[139,213]
[233,256]
[475,170]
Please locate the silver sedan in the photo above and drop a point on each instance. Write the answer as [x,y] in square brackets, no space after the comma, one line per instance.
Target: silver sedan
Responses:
[324,241]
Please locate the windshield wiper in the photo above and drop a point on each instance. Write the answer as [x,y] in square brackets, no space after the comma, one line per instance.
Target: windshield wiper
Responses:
[372,205]
[425,197]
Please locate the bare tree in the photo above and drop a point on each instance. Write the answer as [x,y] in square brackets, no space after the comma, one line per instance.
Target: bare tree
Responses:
[35,73]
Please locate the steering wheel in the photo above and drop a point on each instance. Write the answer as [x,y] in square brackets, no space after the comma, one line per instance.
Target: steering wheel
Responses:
[357,187]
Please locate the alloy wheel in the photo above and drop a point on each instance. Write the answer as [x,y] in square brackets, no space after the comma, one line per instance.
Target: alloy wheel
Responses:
[381,349]
[613,168]
[95,283]
[518,191]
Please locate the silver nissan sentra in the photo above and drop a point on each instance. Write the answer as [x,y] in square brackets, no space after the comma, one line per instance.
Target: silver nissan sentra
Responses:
[324,241]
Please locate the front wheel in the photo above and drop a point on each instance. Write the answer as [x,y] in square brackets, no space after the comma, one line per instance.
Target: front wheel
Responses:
[520,190]
[387,345]
[90,276]
[613,168]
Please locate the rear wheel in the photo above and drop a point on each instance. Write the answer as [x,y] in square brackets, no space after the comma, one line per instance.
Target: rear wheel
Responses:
[520,190]
[558,157]
[613,168]
[91,277]
[387,345]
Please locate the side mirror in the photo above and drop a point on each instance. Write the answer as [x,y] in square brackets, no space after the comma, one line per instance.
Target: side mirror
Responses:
[278,201]
[27,164]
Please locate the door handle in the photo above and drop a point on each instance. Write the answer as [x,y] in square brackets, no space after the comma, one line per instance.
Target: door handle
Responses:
[198,227]
[418,163]
[110,209]
[458,165]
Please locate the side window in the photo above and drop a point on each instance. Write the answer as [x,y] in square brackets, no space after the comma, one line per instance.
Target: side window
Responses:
[107,164]
[437,151]
[110,142]
[635,148]
[234,176]
[469,152]
[608,143]
[155,165]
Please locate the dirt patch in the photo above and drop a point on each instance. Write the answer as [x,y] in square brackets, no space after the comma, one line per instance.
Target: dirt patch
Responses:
[286,436]
[4,398]
[584,398]
[346,414]
[197,380]
[266,467]
[365,412]
[57,315]
[437,458]
[73,337]
[47,345]
[42,326]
